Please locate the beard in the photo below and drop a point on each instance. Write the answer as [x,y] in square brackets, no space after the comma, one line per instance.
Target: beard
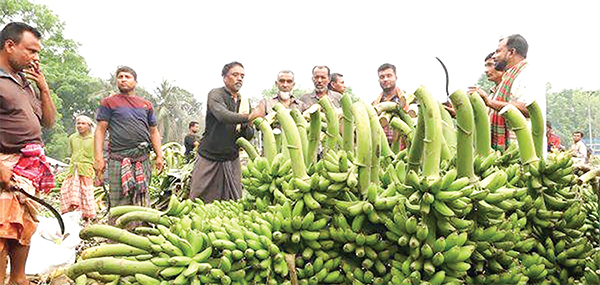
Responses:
[284,95]
[124,89]
[501,65]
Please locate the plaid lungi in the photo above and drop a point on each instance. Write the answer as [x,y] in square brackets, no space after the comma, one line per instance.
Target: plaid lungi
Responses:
[77,193]
[133,197]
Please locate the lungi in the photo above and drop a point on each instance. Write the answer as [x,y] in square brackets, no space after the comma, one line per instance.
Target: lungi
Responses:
[18,214]
[216,180]
[77,193]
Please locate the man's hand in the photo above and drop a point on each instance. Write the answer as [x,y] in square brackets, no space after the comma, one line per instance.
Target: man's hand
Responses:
[160,164]
[99,166]
[5,176]
[34,73]
[256,113]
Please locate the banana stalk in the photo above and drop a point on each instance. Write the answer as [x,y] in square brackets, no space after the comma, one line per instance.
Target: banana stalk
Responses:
[293,141]
[348,123]
[482,125]
[416,147]
[401,126]
[518,124]
[464,124]
[538,128]
[376,132]
[448,129]
[302,125]
[314,134]
[363,146]
[248,147]
[110,265]
[269,146]
[432,144]
[333,125]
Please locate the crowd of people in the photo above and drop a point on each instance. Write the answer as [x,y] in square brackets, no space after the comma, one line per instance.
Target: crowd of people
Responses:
[128,122]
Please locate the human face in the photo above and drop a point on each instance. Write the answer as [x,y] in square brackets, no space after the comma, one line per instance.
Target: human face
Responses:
[501,56]
[25,54]
[387,79]
[576,137]
[339,85]
[195,128]
[320,79]
[234,79]
[126,82]
[491,72]
[285,82]
[82,127]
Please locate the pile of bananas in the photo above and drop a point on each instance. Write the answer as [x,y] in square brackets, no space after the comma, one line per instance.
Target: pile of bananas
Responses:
[364,214]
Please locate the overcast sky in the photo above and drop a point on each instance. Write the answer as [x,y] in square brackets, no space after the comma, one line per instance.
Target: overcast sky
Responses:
[188,42]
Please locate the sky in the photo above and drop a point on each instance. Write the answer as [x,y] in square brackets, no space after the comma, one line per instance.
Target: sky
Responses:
[188,42]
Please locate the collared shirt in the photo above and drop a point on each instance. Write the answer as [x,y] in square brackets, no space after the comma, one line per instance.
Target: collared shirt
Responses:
[220,134]
[398,93]
[129,120]
[311,99]
[20,113]
[295,103]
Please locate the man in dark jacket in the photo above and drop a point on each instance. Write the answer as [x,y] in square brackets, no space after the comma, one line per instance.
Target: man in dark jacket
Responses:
[217,173]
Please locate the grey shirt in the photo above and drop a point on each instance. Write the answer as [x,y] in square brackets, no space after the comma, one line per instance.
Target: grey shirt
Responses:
[311,99]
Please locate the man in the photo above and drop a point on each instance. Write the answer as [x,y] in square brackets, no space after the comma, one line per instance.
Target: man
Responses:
[77,190]
[131,124]
[391,93]
[192,139]
[285,84]
[217,174]
[23,113]
[552,138]
[516,87]
[387,80]
[320,78]
[337,83]
[579,151]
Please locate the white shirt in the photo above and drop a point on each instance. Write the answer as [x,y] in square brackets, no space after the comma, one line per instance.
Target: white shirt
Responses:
[528,88]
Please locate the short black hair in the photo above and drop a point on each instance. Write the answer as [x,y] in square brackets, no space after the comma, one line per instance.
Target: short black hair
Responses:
[334,78]
[519,43]
[192,123]
[319,67]
[127,69]
[14,31]
[386,66]
[229,66]
[489,56]
[578,132]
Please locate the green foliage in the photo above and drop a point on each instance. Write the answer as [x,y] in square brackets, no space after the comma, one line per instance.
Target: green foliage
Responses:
[485,84]
[572,110]
[175,107]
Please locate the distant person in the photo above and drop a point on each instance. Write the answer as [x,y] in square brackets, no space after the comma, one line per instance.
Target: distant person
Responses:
[23,113]
[131,122]
[337,83]
[320,78]
[579,151]
[552,138]
[391,93]
[77,190]
[217,174]
[192,139]
[517,87]
[285,84]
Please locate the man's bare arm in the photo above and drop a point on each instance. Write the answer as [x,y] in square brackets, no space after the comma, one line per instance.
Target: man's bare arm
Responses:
[156,144]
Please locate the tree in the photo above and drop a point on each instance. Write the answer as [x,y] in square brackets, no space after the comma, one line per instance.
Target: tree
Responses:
[572,110]
[175,108]
[485,84]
